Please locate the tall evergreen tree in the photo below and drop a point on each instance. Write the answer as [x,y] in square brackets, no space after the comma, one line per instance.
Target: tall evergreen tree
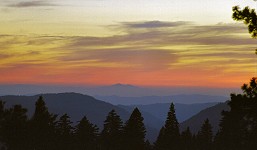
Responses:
[250,111]
[86,135]
[232,133]
[42,125]
[111,136]
[169,137]
[238,127]
[205,136]
[2,109]
[148,145]
[216,141]
[187,140]
[15,129]
[2,114]
[159,144]
[134,132]
[64,133]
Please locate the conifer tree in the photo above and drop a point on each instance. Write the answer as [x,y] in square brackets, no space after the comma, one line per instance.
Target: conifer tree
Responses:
[216,141]
[2,113]
[86,135]
[239,125]
[15,129]
[148,145]
[249,110]
[2,109]
[159,144]
[42,125]
[205,136]
[232,126]
[111,136]
[187,140]
[169,137]
[134,132]
[65,133]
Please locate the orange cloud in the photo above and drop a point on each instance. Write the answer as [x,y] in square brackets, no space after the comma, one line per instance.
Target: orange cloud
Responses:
[162,54]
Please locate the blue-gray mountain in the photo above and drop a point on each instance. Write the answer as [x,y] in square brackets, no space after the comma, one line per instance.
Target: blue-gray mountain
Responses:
[122,90]
[145,100]
[159,110]
[78,105]
[74,104]
[213,114]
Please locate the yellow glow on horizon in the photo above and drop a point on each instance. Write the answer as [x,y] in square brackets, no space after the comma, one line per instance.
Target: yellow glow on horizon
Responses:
[136,42]
[55,60]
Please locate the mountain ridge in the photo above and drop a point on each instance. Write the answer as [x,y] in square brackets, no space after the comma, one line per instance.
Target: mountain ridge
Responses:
[119,89]
[76,106]
[212,113]
[179,98]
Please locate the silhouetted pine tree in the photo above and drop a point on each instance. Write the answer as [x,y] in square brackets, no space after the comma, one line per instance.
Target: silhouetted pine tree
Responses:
[111,136]
[86,135]
[169,137]
[134,132]
[238,127]
[205,136]
[2,113]
[216,141]
[148,145]
[158,145]
[15,129]
[65,133]
[2,109]
[250,110]
[187,140]
[194,140]
[42,127]
[232,127]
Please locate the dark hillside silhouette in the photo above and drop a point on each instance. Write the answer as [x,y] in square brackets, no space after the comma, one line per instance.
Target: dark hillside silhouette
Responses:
[159,110]
[77,105]
[213,114]
[44,130]
[74,104]
[148,100]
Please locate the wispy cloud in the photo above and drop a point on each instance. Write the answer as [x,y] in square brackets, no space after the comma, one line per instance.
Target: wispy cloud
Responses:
[154,24]
[220,34]
[164,53]
[38,3]
[144,60]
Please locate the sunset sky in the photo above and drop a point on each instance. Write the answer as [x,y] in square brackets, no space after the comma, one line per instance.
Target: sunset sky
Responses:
[139,42]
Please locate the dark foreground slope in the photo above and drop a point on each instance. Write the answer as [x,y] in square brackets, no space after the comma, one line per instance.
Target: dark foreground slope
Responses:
[183,111]
[213,114]
[74,104]
[145,100]
[78,105]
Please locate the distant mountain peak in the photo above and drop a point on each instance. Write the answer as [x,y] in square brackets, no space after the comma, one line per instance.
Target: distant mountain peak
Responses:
[122,85]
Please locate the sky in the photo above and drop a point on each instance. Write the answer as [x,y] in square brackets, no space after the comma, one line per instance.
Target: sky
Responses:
[191,43]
